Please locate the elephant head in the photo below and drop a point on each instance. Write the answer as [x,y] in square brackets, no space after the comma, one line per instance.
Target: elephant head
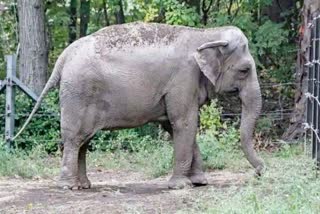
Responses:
[229,66]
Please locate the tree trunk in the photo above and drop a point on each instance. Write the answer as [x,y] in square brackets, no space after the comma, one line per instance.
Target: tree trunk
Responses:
[105,11]
[120,19]
[276,8]
[205,11]
[33,62]
[311,8]
[194,3]
[84,17]
[73,21]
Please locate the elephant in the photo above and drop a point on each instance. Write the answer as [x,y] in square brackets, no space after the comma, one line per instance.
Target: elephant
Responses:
[124,76]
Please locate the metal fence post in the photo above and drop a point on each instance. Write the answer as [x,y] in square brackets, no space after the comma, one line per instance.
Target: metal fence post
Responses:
[10,96]
[317,69]
[314,88]
[311,84]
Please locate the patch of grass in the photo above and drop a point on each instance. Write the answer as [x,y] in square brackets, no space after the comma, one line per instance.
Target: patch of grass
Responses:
[154,160]
[288,186]
[29,164]
[221,150]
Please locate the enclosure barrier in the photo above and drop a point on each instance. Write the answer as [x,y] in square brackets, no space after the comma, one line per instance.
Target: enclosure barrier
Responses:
[10,83]
[313,103]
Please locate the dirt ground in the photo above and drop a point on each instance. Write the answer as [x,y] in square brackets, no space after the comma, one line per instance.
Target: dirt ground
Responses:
[112,192]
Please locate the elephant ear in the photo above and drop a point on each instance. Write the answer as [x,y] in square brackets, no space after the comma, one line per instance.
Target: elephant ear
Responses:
[208,60]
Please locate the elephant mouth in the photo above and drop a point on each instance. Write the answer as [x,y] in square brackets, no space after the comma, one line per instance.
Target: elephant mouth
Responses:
[234,91]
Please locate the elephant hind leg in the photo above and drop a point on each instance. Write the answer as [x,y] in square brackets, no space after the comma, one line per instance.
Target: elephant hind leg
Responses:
[78,126]
[69,178]
[82,168]
[73,170]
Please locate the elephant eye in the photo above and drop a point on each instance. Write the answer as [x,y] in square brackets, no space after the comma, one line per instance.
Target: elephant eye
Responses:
[244,71]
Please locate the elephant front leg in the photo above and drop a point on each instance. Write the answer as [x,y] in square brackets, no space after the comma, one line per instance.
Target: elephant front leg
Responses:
[83,178]
[196,174]
[184,133]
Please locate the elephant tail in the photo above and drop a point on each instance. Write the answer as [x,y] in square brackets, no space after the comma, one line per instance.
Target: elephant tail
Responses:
[52,82]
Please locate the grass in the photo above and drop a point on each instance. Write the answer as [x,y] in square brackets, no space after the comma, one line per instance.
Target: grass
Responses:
[289,186]
[35,163]
[154,161]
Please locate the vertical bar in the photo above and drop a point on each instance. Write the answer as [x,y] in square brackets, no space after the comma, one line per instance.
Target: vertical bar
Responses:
[310,80]
[317,69]
[314,91]
[310,90]
[10,95]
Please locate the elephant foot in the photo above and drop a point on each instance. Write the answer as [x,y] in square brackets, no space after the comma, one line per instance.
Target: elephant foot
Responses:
[198,179]
[85,183]
[179,182]
[69,184]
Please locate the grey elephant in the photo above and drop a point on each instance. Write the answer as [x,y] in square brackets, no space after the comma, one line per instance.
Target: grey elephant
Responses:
[127,75]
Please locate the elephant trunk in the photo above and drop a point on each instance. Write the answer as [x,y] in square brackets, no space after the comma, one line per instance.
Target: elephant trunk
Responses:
[251,106]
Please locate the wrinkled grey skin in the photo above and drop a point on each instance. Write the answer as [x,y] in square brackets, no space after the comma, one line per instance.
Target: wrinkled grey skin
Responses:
[127,75]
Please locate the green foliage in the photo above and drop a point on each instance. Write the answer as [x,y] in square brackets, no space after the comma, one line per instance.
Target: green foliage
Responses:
[44,129]
[180,14]
[8,33]
[288,151]
[273,50]
[265,127]
[57,22]
[218,140]
[130,140]
[210,117]
[218,149]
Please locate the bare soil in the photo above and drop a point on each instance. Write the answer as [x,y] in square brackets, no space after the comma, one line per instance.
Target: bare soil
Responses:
[112,192]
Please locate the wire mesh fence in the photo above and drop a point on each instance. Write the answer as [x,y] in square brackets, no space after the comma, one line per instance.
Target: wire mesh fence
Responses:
[313,105]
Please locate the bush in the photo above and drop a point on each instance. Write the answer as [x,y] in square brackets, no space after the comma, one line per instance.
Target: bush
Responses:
[44,128]
[218,140]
